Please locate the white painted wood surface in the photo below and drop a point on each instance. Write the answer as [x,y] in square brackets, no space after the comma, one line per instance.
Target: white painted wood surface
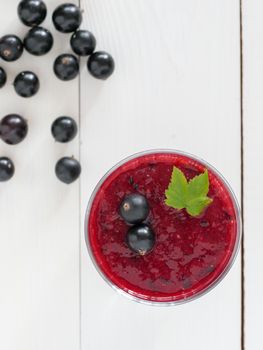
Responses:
[39,234]
[176,85]
[253,142]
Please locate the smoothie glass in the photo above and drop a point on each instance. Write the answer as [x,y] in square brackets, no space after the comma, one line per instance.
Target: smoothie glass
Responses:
[191,255]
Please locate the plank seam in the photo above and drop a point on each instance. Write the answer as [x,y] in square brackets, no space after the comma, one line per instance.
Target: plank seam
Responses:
[242,178]
[80,218]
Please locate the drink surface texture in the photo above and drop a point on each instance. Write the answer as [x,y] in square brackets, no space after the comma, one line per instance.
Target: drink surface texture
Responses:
[190,253]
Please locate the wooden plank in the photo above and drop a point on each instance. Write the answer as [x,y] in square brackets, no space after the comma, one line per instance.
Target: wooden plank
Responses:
[176,85]
[39,240]
[253,143]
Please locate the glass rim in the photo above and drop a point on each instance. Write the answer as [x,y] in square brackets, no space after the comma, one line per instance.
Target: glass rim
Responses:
[234,253]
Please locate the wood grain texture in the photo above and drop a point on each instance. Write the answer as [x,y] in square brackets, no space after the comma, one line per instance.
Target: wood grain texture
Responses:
[253,142]
[39,237]
[176,85]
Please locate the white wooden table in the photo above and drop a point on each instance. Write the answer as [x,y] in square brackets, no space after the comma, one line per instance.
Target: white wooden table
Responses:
[178,84]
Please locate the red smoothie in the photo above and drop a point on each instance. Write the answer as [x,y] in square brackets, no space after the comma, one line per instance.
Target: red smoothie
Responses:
[190,253]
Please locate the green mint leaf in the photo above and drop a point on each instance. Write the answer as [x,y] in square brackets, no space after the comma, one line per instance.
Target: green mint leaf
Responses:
[176,194]
[198,186]
[196,206]
[191,195]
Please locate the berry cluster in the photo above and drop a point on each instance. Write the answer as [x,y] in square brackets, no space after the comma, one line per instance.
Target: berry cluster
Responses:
[134,209]
[66,18]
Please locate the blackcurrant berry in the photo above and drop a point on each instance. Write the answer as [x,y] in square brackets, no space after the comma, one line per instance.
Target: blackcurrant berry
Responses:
[13,129]
[101,65]
[83,42]
[32,12]
[67,18]
[68,170]
[140,239]
[11,48]
[38,41]
[3,77]
[7,169]
[66,67]
[64,129]
[26,84]
[134,208]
